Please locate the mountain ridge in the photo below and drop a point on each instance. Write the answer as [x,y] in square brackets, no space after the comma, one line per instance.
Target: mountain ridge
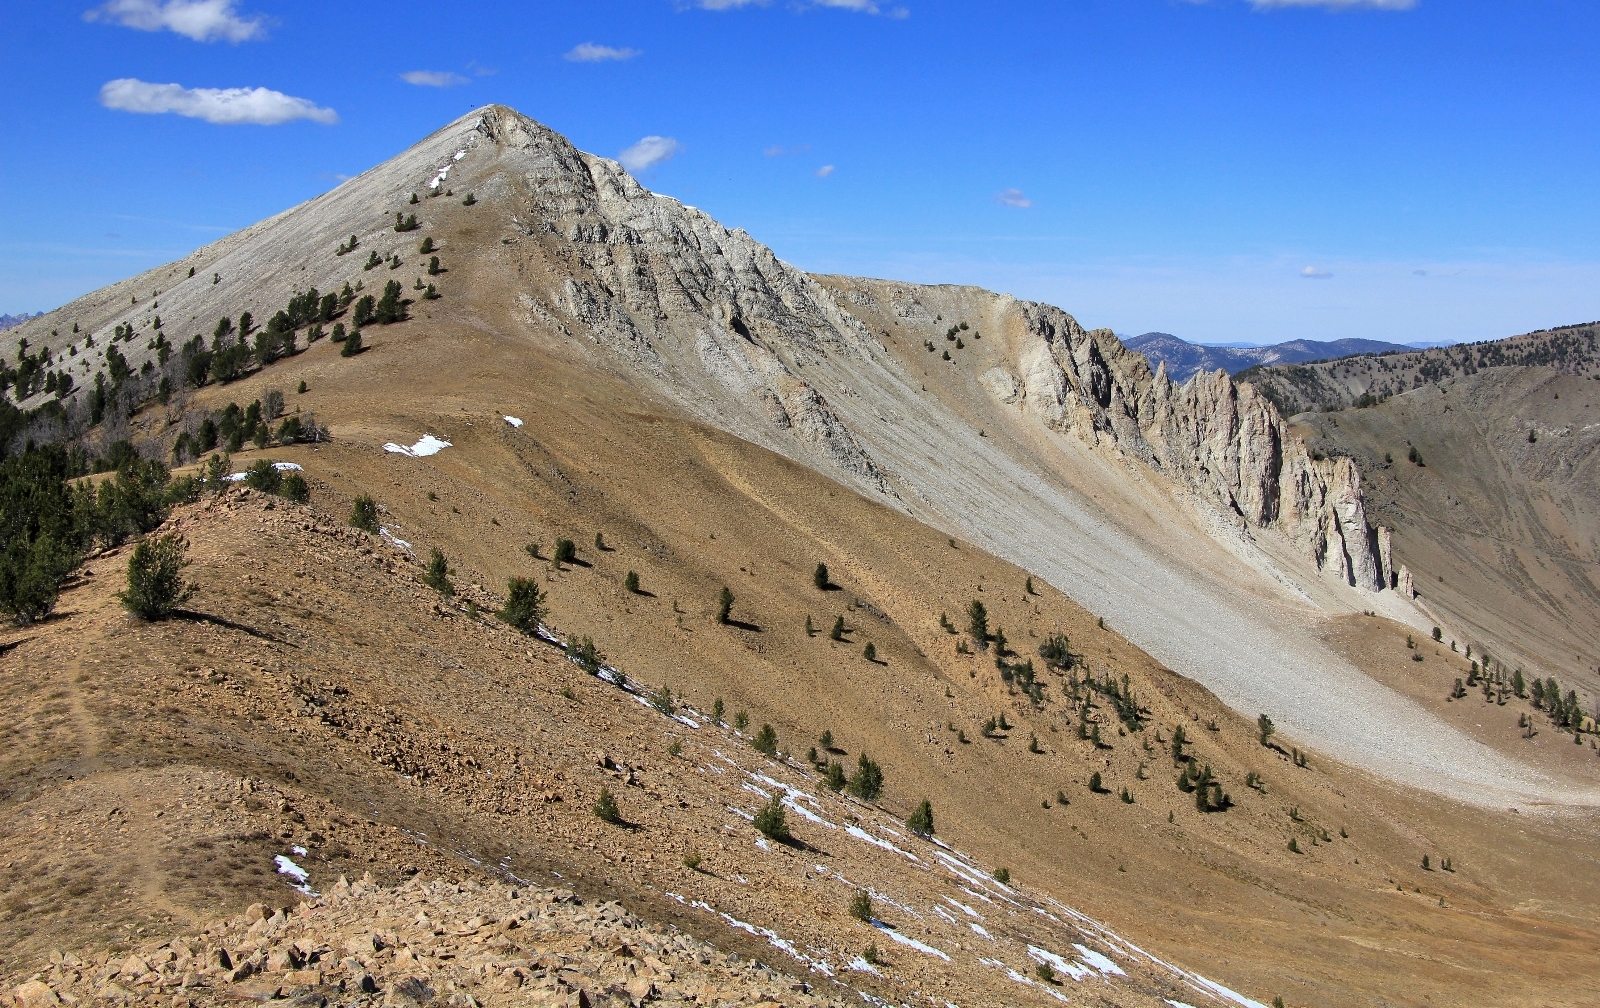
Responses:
[1184,360]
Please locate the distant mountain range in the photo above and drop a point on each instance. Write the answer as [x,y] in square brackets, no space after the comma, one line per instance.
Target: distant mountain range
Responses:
[7,321]
[1184,359]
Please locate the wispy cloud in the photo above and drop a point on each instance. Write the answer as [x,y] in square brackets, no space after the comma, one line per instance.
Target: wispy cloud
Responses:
[1394,5]
[777,151]
[1312,273]
[1013,198]
[589,52]
[201,20]
[224,106]
[432,78]
[649,152]
[825,171]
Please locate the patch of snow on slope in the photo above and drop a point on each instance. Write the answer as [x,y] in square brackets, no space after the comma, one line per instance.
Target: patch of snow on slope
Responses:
[513,421]
[294,871]
[1222,991]
[280,466]
[1098,961]
[429,445]
[1076,971]
[908,940]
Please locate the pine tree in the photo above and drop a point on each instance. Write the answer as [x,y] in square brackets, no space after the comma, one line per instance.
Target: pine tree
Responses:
[606,808]
[867,782]
[438,575]
[724,605]
[352,344]
[820,577]
[364,515]
[766,741]
[716,710]
[433,266]
[155,578]
[837,633]
[835,779]
[295,489]
[363,311]
[771,821]
[525,605]
[870,653]
[471,199]
[389,308]
[1264,724]
[631,583]
[861,906]
[426,246]
[978,623]
[921,821]
[1095,782]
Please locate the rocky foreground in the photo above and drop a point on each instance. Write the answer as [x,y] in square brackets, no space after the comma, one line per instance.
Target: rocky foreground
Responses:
[434,942]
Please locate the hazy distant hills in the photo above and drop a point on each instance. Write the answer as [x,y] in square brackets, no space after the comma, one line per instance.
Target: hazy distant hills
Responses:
[1185,359]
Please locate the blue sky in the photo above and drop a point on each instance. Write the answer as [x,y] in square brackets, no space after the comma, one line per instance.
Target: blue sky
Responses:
[1248,170]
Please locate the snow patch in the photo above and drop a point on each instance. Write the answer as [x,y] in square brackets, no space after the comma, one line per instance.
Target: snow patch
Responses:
[429,445]
[1098,961]
[1222,991]
[1076,971]
[513,421]
[294,871]
[908,940]
[860,965]
[280,466]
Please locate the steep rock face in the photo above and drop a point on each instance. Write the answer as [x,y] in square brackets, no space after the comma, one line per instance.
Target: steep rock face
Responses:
[679,295]
[731,327]
[1219,439]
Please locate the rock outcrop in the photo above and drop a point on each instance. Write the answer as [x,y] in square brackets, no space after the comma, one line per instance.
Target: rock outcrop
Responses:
[434,942]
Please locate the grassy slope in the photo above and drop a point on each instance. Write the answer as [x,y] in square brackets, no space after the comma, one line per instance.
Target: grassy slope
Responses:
[692,509]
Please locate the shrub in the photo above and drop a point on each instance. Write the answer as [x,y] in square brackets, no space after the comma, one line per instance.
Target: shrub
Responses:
[1095,783]
[433,266]
[835,776]
[606,808]
[438,575]
[771,821]
[978,622]
[584,654]
[430,294]
[716,710]
[921,821]
[290,430]
[263,476]
[691,861]
[724,604]
[1045,973]
[471,199]
[364,515]
[661,700]
[155,578]
[352,344]
[1294,846]
[872,955]
[426,246]
[837,633]
[867,782]
[294,488]
[766,741]
[1436,635]
[820,577]
[870,652]
[741,721]
[271,404]
[1002,876]
[1265,726]
[825,740]
[566,551]
[631,582]
[861,906]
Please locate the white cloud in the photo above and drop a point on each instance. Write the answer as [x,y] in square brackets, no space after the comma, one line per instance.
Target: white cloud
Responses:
[825,171]
[432,78]
[1013,198]
[1394,5]
[776,150]
[201,20]
[649,152]
[1312,273]
[225,106]
[589,52]
[724,4]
